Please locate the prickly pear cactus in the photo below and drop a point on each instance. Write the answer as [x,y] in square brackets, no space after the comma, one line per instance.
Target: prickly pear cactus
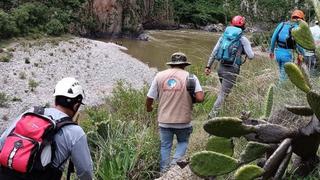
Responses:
[248,172]
[313,98]
[227,127]
[253,151]
[220,145]
[209,163]
[300,110]
[269,102]
[297,77]
[303,36]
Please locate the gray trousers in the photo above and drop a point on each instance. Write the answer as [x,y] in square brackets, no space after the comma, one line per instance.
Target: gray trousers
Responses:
[227,76]
[311,62]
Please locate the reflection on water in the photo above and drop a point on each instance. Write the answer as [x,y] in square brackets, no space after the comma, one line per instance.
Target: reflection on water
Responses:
[156,52]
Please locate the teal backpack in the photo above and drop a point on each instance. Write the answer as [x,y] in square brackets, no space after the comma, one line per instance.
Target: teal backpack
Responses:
[285,39]
[229,47]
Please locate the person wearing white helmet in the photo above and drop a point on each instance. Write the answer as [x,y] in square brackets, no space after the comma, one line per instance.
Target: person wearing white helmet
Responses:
[70,142]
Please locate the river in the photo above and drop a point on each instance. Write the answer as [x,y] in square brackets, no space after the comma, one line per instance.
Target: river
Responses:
[197,45]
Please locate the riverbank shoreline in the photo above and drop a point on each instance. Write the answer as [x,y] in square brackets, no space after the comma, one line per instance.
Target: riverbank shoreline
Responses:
[34,67]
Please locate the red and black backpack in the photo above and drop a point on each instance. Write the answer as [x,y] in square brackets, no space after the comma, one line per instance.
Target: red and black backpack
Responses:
[23,147]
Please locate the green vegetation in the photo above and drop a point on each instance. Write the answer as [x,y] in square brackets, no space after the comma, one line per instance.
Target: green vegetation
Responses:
[3,99]
[248,172]
[50,17]
[33,84]
[122,136]
[202,12]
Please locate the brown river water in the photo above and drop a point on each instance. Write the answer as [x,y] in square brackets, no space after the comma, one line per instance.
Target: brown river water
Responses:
[197,45]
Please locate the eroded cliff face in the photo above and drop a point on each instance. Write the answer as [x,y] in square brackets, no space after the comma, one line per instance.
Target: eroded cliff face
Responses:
[115,17]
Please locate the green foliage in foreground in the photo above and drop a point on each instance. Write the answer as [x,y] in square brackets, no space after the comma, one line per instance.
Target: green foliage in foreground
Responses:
[209,163]
[220,145]
[248,172]
[123,137]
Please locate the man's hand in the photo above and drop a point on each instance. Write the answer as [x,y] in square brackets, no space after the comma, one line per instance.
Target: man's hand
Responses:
[149,102]
[271,55]
[207,71]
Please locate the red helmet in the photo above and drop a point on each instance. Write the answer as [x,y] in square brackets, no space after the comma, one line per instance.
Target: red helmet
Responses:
[238,21]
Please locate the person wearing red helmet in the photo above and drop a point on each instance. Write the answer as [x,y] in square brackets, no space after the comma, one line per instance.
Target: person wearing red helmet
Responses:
[283,45]
[228,52]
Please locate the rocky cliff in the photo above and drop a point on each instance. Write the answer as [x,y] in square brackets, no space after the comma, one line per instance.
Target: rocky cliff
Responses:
[129,17]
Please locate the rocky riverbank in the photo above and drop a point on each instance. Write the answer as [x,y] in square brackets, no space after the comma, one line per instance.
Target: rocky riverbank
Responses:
[30,70]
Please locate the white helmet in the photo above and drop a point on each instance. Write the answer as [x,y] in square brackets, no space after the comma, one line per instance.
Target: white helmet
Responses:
[68,87]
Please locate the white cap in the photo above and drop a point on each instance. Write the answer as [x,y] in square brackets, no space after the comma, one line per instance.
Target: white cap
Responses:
[68,87]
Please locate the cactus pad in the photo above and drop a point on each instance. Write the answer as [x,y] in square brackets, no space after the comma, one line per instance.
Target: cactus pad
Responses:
[248,172]
[269,102]
[208,163]
[300,110]
[221,145]
[253,151]
[296,76]
[313,98]
[302,35]
[227,127]
[272,133]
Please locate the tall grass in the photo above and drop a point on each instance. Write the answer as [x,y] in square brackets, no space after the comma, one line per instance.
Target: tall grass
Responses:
[122,136]
[124,139]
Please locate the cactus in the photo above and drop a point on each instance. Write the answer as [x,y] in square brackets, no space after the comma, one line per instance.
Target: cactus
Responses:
[303,36]
[300,110]
[208,163]
[253,151]
[227,127]
[276,158]
[248,172]
[269,102]
[221,145]
[313,98]
[272,133]
[296,77]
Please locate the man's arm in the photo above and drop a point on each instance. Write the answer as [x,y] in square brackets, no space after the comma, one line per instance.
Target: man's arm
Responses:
[274,38]
[199,95]
[152,94]
[81,158]
[149,102]
[247,47]
[211,57]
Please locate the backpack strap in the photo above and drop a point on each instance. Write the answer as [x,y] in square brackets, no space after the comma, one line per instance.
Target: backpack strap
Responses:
[38,110]
[191,86]
[65,121]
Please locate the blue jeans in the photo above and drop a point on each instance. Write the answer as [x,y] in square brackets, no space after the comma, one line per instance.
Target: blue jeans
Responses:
[166,138]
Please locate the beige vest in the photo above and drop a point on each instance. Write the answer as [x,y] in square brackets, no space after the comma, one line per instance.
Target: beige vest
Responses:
[175,104]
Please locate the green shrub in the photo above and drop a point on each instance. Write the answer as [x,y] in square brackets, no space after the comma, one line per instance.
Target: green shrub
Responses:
[33,84]
[8,26]
[54,27]
[3,99]
[31,17]
[122,136]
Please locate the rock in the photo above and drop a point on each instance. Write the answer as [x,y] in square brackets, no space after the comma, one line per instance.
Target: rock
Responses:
[143,37]
[97,65]
[214,27]
[176,173]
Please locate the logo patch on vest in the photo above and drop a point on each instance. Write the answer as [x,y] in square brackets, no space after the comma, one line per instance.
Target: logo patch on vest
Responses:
[172,84]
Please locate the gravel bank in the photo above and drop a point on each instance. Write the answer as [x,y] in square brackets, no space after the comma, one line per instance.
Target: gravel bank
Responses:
[97,65]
